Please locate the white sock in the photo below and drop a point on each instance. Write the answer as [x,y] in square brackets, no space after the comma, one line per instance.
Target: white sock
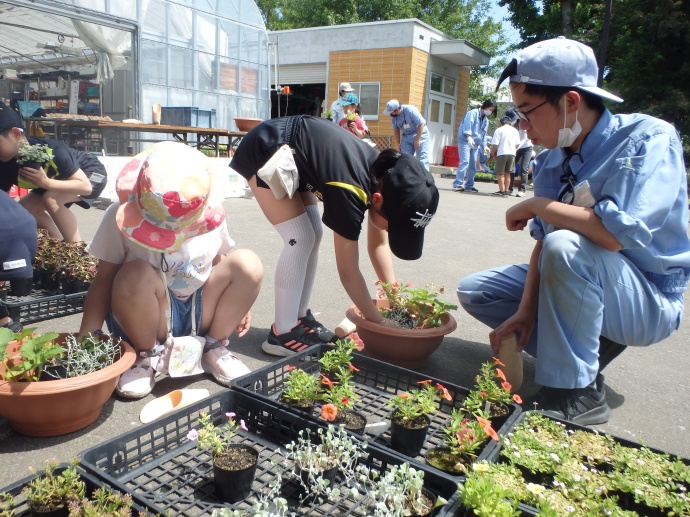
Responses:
[298,243]
[310,277]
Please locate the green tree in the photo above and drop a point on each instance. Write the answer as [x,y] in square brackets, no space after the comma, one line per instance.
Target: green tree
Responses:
[459,19]
[647,61]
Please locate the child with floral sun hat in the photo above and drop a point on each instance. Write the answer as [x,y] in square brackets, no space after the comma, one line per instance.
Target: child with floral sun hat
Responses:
[166,262]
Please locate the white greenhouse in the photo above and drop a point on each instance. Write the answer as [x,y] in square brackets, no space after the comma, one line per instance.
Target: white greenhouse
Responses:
[204,61]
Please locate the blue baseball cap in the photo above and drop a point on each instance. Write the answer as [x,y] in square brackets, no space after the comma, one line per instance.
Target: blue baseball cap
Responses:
[560,62]
[348,99]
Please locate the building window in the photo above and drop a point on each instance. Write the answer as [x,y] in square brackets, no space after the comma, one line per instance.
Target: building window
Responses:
[369,99]
[442,85]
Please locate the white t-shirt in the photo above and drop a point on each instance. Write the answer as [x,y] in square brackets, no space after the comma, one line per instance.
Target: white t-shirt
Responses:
[506,139]
[188,268]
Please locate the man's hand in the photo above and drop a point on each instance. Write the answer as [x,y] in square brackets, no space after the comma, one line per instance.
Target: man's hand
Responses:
[522,322]
[517,216]
[36,176]
[470,141]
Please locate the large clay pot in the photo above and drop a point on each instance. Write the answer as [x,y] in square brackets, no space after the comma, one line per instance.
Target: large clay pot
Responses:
[408,348]
[247,124]
[52,408]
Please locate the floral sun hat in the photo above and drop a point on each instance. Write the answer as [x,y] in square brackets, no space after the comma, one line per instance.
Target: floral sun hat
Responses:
[168,194]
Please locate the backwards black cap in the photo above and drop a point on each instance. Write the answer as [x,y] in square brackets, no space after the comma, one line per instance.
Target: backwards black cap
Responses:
[410,199]
[9,118]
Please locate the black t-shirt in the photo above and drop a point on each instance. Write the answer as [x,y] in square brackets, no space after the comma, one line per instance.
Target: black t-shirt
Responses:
[331,162]
[67,162]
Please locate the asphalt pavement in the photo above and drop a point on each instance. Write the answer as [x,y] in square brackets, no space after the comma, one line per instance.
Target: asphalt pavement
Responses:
[647,388]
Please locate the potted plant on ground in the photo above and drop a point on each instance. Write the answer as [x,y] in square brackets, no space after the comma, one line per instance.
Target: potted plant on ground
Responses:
[103,502]
[53,407]
[420,320]
[234,464]
[409,420]
[300,389]
[49,494]
[333,361]
[465,436]
[34,156]
[6,504]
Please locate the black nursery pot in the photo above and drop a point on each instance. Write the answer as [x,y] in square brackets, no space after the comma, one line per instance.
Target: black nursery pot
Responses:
[235,485]
[21,286]
[75,286]
[57,512]
[406,440]
[354,421]
[48,282]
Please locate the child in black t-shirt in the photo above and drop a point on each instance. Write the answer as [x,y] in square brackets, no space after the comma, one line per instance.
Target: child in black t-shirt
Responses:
[72,177]
[393,192]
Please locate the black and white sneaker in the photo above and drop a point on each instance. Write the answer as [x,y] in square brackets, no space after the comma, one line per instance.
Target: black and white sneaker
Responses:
[284,345]
[582,406]
[317,329]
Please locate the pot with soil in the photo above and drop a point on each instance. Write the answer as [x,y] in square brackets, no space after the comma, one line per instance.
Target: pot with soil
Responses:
[234,471]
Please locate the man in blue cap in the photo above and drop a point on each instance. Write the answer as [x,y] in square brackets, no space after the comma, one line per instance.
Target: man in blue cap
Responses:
[610,217]
[409,128]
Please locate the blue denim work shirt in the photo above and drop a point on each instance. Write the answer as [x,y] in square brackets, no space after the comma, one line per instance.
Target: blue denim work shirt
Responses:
[634,166]
[473,124]
[410,117]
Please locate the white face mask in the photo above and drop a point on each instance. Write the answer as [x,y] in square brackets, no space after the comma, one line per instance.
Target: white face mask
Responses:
[486,113]
[567,136]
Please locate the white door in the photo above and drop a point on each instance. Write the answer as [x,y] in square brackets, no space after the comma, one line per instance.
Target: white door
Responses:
[440,116]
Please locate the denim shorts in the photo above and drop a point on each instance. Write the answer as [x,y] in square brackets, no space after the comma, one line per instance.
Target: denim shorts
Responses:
[181,317]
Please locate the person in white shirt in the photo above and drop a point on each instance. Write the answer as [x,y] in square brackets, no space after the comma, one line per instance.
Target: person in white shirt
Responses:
[504,144]
[337,113]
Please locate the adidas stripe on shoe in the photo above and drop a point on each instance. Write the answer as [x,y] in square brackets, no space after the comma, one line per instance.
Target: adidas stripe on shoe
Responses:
[284,345]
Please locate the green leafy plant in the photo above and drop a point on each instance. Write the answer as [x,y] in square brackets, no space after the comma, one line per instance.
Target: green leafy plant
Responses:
[300,387]
[215,438]
[333,361]
[466,435]
[32,155]
[31,353]
[103,502]
[338,396]
[418,402]
[52,491]
[491,391]
[413,307]
[6,504]
[267,504]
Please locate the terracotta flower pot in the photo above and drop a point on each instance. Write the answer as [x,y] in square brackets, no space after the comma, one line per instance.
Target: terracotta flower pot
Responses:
[247,124]
[408,348]
[52,408]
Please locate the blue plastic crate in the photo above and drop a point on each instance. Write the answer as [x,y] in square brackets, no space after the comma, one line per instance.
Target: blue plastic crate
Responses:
[188,116]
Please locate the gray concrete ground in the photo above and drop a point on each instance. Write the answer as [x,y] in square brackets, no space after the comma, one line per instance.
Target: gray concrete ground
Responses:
[647,388]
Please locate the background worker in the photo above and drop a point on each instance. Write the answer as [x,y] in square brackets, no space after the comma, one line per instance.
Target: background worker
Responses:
[409,128]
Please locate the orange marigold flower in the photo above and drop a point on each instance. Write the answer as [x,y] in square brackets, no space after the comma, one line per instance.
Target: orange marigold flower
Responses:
[404,395]
[289,367]
[352,367]
[425,383]
[329,412]
[506,385]
[500,373]
[327,381]
[517,398]
[498,362]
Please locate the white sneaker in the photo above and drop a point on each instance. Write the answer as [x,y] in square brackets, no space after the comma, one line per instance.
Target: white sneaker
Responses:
[223,364]
[138,381]
[520,194]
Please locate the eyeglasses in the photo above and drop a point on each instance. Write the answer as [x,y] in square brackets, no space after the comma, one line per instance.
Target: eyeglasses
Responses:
[522,115]
[395,113]
[567,194]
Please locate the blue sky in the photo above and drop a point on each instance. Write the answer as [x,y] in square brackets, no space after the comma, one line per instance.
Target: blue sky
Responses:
[499,13]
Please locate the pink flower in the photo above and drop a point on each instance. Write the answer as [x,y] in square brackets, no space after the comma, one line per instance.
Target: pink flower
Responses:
[192,435]
[289,367]
[230,415]
[243,426]
[517,398]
